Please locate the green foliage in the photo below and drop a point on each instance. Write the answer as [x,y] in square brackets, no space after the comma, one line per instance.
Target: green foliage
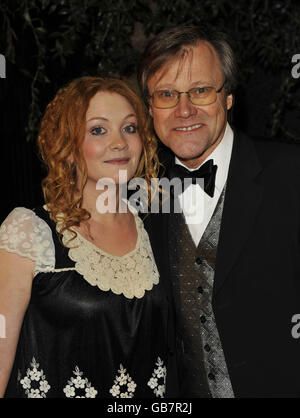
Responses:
[51,41]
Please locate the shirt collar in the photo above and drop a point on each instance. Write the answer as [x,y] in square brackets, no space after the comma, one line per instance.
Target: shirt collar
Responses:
[221,156]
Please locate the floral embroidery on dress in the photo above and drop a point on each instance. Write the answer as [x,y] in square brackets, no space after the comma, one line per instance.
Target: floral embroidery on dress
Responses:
[35,383]
[130,275]
[124,386]
[78,387]
[158,379]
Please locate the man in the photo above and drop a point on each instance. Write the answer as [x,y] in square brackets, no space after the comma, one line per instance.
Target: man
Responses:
[233,255]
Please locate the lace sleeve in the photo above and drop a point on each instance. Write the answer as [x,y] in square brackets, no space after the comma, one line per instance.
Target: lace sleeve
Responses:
[27,235]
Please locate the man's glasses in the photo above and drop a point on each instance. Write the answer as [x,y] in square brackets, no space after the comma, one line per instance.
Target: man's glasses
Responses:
[200,96]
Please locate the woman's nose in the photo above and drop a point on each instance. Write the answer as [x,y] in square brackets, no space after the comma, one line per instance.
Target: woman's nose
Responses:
[118,141]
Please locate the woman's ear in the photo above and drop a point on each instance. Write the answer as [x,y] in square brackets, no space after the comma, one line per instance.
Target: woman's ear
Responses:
[150,111]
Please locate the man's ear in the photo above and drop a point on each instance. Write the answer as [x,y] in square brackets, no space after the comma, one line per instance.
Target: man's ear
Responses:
[150,111]
[229,101]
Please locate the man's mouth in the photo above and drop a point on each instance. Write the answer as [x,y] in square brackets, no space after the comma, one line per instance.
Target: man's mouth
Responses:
[189,128]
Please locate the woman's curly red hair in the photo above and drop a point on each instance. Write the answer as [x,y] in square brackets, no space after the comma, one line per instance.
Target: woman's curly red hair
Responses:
[60,138]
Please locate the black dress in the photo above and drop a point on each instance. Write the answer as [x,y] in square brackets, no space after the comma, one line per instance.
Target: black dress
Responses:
[80,341]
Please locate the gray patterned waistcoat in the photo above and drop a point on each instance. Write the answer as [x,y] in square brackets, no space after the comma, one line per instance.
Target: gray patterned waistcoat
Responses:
[193,270]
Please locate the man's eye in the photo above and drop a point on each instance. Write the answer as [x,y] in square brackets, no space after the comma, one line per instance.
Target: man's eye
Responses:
[200,90]
[130,129]
[98,130]
[165,94]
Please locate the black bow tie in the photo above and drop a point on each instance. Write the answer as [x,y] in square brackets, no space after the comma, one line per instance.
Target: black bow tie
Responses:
[207,171]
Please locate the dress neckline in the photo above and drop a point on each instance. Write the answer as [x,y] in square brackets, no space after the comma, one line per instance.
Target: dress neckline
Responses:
[131,274]
[94,246]
[137,244]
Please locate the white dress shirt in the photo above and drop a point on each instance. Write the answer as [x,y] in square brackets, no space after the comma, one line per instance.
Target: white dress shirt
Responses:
[198,206]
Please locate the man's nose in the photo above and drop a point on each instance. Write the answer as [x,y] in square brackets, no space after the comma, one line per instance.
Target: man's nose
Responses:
[118,141]
[185,107]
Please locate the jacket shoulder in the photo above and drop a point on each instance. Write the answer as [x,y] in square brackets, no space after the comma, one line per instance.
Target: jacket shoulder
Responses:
[271,152]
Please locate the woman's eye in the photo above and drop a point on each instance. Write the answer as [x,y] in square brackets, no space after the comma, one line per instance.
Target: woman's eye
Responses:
[131,129]
[98,130]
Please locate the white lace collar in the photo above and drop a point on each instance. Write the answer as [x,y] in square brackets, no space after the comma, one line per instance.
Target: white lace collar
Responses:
[131,274]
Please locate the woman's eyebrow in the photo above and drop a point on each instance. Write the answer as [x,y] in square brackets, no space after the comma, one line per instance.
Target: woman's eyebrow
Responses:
[97,117]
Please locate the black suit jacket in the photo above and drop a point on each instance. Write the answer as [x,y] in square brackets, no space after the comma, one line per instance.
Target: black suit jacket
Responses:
[257,279]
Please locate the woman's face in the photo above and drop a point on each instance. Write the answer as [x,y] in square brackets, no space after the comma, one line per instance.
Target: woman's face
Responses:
[112,142]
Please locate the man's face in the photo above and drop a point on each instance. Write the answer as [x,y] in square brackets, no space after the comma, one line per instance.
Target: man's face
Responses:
[199,67]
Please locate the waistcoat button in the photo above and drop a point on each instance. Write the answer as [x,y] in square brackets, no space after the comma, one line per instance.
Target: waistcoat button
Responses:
[198,261]
[200,289]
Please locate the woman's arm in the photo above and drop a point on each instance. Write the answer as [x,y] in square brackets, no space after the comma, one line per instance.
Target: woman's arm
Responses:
[16,274]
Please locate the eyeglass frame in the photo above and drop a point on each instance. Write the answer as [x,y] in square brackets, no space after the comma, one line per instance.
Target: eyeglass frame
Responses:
[188,94]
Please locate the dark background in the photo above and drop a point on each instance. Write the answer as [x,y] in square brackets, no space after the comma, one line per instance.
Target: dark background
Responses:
[47,43]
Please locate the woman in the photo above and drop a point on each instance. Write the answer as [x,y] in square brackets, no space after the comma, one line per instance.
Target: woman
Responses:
[87,314]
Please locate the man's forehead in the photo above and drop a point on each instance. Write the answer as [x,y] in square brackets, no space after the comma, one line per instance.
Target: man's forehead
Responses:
[199,60]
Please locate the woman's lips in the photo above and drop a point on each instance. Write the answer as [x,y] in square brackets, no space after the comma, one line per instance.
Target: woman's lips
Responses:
[118,161]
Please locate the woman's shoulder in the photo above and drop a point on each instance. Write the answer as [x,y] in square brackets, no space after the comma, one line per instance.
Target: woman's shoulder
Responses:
[26,218]
[19,213]
[43,213]
[23,231]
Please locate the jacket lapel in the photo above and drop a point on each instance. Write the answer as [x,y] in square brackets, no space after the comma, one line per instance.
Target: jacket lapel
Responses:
[156,226]
[242,200]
